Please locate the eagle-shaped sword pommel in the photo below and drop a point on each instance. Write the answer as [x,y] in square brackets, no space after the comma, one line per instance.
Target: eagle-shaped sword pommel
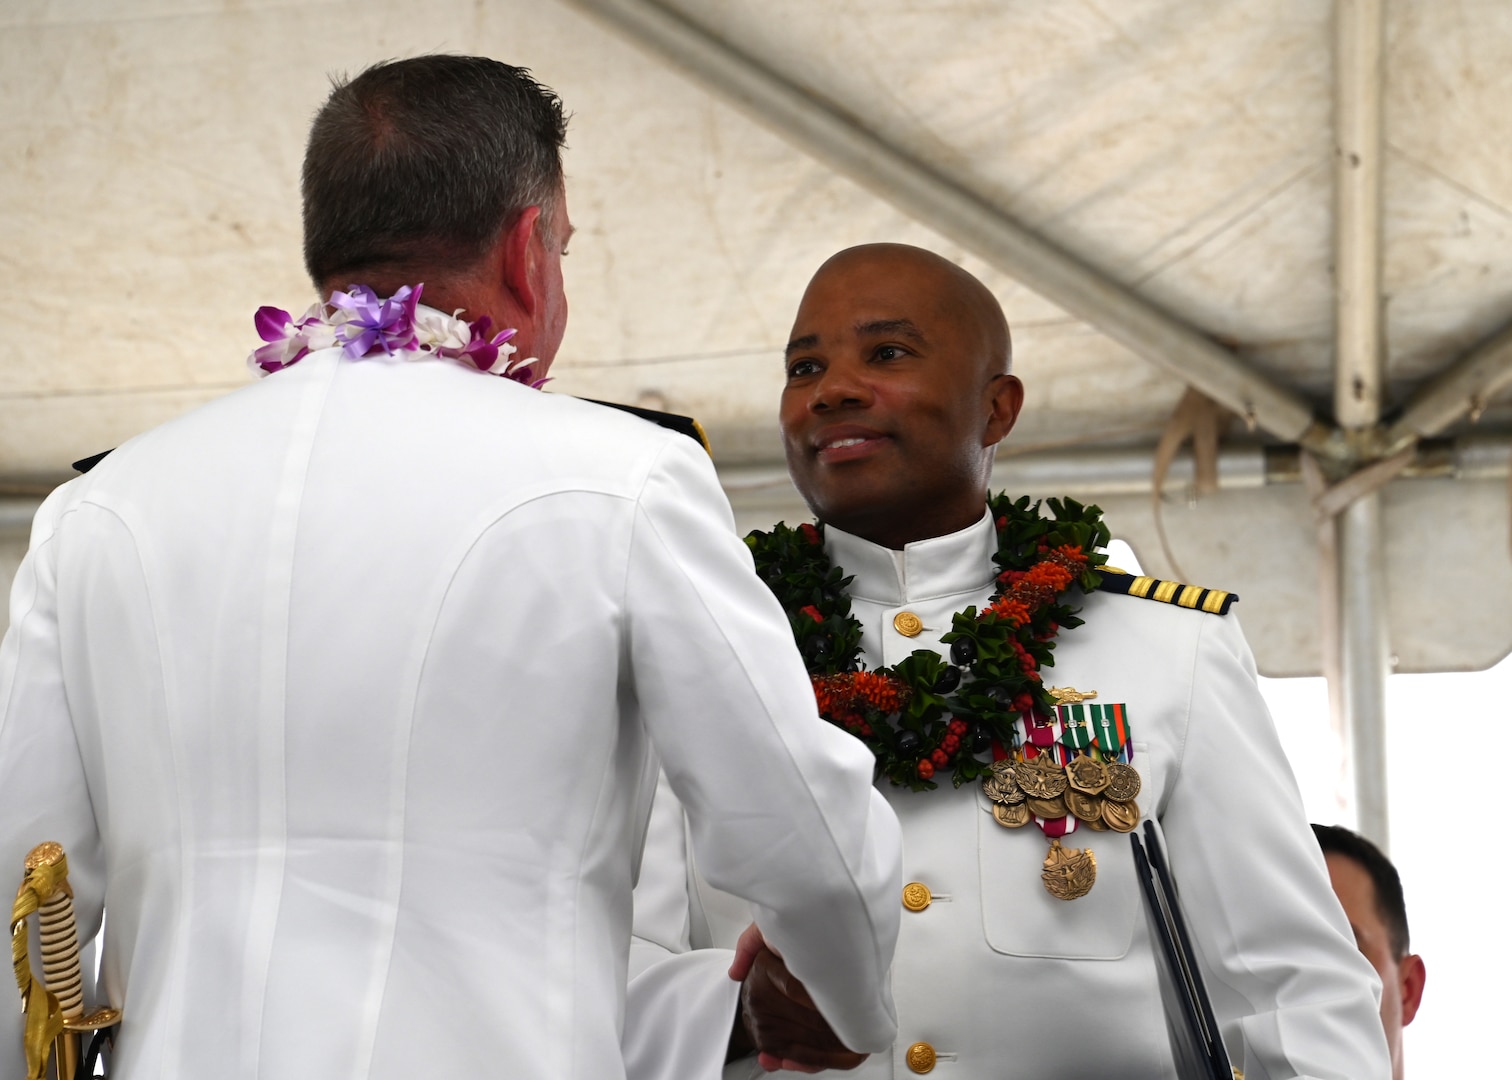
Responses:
[56,1024]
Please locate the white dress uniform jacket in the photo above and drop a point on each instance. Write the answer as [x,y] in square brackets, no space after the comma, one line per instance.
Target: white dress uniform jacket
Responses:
[342,694]
[1002,980]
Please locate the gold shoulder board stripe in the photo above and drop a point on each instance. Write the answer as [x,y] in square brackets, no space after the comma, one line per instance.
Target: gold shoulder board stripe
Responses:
[1213,601]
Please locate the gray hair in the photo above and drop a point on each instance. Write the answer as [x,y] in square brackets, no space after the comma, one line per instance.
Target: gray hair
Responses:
[415,166]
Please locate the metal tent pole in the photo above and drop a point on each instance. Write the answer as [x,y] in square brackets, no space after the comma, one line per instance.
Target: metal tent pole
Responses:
[1359,375]
[1366,659]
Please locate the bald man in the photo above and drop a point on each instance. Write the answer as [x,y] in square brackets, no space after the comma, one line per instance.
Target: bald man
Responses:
[897,392]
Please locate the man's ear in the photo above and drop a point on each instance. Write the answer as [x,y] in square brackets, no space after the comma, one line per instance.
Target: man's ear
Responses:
[518,253]
[1005,400]
[1413,975]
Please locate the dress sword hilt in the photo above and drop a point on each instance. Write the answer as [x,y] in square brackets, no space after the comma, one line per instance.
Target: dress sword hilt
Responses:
[56,1023]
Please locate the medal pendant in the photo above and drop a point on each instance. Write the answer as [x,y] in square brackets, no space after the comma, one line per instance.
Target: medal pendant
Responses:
[1014,816]
[1120,816]
[1069,872]
[1041,778]
[1084,807]
[1087,776]
[1001,786]
[1049,809]
[1123,782]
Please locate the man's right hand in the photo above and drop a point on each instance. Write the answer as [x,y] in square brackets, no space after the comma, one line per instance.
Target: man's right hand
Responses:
[780,1018]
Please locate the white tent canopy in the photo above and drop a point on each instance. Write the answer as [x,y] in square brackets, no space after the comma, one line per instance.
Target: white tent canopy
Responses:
[1302,209]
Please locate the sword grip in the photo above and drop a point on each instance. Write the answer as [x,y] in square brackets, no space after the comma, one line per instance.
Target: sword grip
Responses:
[59,935]
[54,1005]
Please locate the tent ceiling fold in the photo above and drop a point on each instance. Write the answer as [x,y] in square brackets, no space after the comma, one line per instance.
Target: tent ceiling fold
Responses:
[1176,154]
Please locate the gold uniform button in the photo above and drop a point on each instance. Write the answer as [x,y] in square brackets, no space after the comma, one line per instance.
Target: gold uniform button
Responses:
[920,1057]
[916,896]
[908,624]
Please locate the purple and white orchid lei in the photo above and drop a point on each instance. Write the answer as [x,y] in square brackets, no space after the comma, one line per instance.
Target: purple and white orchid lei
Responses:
[364,325]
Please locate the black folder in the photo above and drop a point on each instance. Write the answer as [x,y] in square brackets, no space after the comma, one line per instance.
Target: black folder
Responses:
[1196,1043]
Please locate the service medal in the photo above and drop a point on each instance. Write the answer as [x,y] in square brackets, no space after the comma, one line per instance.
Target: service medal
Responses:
[1014,816]
[1041,778]
[1120,816]
[1087,776]
[1123,782]
[1001,786]
[1047,808]
[1068,872]
[1084,807]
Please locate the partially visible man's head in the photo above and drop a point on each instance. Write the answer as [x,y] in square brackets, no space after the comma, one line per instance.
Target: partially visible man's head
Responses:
[1370,891]
[897,391]
[416,167]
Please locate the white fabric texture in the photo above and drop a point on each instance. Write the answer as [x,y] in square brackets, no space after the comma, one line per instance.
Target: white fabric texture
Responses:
[1005,981]
[342,694]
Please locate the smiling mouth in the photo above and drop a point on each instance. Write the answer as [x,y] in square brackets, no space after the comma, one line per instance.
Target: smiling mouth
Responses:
[849,447]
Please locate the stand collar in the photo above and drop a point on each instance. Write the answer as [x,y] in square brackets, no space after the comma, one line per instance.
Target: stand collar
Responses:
[940,566]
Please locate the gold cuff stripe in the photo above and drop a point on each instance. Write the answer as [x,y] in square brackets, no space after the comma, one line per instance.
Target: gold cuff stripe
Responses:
[1166,591]
[1141,587]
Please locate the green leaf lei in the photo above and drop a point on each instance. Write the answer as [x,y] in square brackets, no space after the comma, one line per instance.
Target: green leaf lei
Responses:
[924,713]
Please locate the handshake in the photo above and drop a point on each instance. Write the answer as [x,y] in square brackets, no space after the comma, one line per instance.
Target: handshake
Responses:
[777,1019]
